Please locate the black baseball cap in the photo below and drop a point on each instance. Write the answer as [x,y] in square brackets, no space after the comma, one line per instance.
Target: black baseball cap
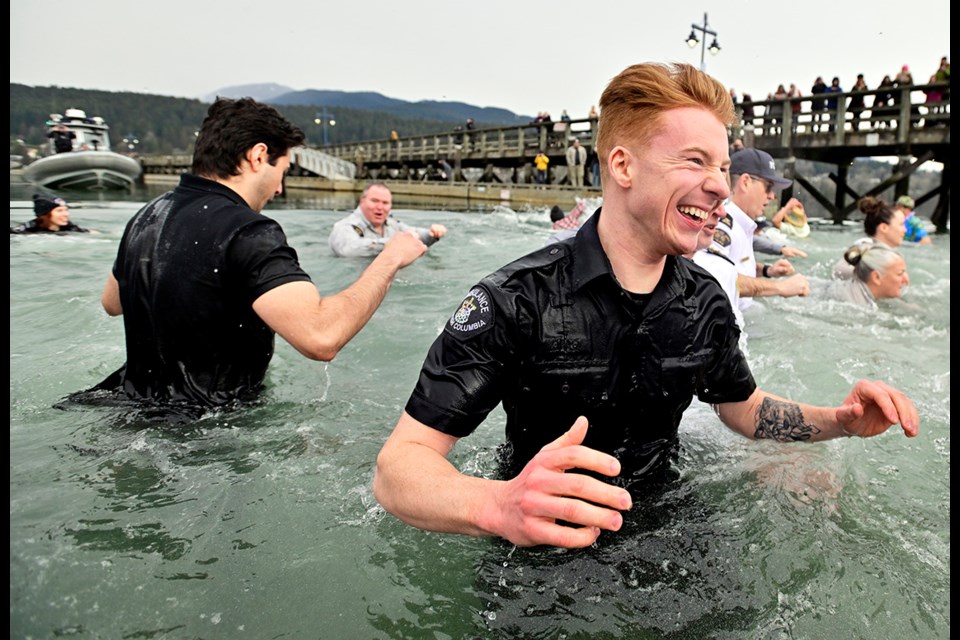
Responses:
[757,163]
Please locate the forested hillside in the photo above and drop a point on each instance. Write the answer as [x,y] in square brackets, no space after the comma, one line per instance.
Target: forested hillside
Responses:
[164,124]
[167,125]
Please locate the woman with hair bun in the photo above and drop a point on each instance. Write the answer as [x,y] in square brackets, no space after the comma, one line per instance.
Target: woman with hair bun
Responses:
[879,272]
[883,224]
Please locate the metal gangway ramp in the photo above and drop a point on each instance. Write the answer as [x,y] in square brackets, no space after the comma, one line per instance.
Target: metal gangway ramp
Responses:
[313,162]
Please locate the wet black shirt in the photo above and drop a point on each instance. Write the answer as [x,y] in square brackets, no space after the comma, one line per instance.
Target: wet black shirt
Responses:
[190,265]
[553,336]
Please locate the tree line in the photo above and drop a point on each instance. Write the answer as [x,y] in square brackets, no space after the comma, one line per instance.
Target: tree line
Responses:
[166,125]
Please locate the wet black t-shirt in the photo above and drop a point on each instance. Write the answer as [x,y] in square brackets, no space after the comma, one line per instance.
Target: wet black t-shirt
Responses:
[190,265]
[553,336]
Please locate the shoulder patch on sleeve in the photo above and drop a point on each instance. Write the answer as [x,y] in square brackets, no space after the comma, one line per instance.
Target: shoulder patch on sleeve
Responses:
[474,315]
[358,229]
[727,220]
[721,237]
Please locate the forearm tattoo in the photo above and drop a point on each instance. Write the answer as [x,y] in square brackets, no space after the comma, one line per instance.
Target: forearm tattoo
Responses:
[782,421]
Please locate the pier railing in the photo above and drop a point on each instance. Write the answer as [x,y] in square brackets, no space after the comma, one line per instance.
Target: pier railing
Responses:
[500,146]
[912,123]
[904,109]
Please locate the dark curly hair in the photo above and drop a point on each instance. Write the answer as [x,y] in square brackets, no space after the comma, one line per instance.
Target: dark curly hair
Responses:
[875,212]
[232,127]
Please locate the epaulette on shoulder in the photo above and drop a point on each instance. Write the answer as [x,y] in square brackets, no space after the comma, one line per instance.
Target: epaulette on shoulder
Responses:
[717,252]
[542,257]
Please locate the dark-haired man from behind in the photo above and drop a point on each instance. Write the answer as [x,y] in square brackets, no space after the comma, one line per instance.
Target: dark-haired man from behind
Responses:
[204,280]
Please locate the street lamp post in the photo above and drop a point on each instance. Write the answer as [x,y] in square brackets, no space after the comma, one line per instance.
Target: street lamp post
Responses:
[692,40]
[131,141]
[325,118]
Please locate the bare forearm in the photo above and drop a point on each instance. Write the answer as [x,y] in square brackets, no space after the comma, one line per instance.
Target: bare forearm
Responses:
[756,287]
[342,315]
[430,494]
[768,417]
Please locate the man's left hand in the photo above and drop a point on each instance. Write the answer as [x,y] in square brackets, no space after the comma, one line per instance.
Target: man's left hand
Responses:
[873,407]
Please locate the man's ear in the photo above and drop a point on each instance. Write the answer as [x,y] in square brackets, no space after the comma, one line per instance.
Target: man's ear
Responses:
[257,155]
[621,166]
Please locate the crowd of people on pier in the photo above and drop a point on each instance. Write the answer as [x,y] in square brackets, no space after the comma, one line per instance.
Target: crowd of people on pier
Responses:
[822,102]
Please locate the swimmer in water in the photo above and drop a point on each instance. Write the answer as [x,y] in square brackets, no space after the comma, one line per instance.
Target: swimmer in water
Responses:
[52,216]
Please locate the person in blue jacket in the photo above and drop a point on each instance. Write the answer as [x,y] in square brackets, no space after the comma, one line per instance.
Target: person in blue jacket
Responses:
[915,230]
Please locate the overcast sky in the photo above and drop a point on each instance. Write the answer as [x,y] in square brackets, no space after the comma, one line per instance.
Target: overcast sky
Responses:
[523,56]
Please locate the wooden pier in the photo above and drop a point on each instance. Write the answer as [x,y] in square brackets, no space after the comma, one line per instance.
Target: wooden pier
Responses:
[495,163]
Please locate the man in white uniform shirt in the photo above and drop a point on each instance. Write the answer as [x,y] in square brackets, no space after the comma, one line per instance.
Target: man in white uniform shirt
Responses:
[754,182]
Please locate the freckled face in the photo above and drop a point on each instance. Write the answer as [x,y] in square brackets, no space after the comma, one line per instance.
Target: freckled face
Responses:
[680,180]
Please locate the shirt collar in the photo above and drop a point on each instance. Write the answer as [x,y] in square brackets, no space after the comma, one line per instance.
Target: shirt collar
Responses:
[589,259]
[590,262]
[362,219]
[746,223]
[196,183]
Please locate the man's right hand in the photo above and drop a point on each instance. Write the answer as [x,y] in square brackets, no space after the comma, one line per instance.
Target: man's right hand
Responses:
[528,506]
[795,285]
[405,247]
[792,252]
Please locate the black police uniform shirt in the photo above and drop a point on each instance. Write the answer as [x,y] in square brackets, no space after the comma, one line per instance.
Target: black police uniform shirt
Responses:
[190,265]
[553,336]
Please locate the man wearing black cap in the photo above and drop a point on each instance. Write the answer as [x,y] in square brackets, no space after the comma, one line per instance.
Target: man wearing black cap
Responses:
[754,182]
[53,216]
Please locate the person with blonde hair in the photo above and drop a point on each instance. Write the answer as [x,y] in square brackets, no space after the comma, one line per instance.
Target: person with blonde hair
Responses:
[915,230]
[879,272]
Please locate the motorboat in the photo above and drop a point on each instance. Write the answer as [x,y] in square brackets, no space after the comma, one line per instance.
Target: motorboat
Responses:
[80,157]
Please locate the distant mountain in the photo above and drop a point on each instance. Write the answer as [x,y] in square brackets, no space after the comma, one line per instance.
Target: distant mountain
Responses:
[372,101]
[260,92]
[165,124]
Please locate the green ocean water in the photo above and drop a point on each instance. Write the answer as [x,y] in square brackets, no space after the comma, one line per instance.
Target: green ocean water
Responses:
[262,524]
